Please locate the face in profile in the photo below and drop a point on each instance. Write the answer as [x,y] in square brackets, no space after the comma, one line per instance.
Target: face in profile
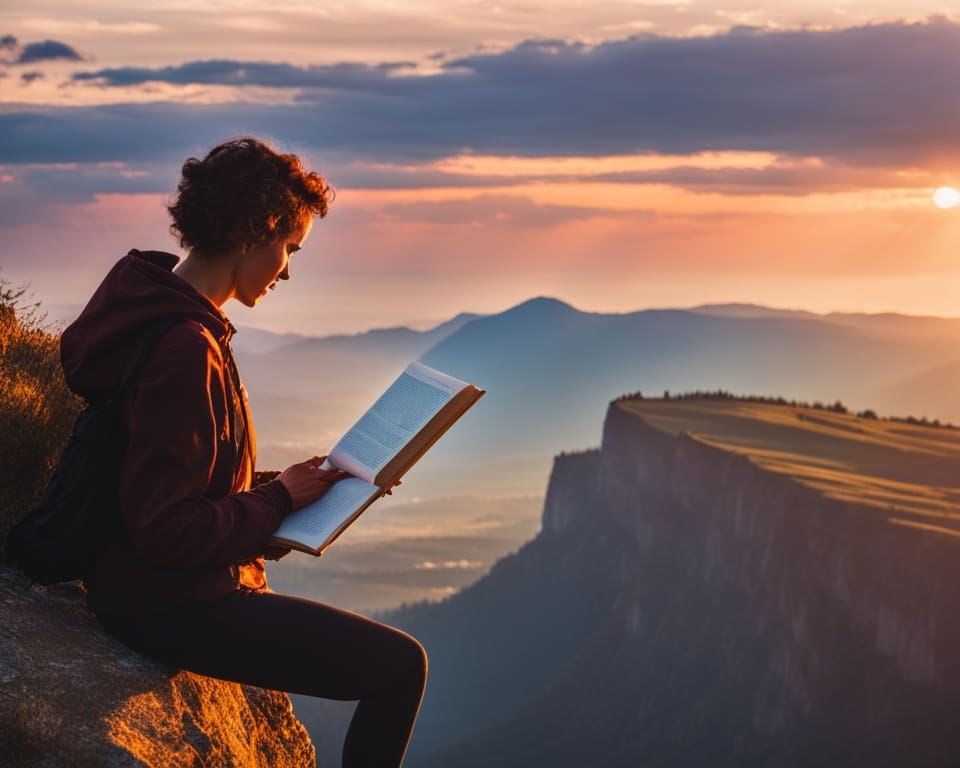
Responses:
[261,266]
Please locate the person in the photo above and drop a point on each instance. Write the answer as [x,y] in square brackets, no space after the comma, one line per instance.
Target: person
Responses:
[183,579]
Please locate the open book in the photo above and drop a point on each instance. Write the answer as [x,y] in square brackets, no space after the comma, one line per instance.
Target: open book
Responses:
[377,451]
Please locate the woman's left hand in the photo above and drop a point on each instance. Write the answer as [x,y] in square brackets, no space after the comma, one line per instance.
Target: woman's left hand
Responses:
[306,482]
[275,552]
[389,491]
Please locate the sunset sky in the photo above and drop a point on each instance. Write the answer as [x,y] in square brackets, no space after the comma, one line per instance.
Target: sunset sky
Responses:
[616,155]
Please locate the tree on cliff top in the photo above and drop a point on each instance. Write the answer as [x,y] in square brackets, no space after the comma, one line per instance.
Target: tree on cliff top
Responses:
[37,409]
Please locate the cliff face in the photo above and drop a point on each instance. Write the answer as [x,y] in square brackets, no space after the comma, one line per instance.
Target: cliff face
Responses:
[738,618]
[832,591]
[70,695]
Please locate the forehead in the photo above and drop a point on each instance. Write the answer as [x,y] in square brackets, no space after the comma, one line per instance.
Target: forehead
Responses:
[299,234]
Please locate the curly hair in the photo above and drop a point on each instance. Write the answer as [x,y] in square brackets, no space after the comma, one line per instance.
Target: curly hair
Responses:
[244,192]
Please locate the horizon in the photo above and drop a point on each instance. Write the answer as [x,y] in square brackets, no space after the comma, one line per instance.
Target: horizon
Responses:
[59,316]
[482,156]
[427,325]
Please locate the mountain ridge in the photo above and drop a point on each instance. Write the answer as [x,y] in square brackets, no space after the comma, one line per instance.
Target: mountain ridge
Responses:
[723,309]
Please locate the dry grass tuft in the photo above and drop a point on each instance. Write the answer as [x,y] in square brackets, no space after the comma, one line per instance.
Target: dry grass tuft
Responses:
[37,409]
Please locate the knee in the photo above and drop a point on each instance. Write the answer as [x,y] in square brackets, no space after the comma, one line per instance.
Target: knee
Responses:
[416,656]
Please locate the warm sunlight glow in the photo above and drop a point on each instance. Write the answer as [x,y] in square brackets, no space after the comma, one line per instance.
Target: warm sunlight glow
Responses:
[946,197]
[488,165]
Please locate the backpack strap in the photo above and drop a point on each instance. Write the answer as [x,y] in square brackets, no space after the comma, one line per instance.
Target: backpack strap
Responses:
[155,331]
[242,446]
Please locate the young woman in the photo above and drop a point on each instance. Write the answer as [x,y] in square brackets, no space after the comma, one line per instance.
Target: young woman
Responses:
[184,581]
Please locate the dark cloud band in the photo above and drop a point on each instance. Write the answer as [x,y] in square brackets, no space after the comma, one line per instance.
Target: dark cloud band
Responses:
[47,50]
[875,95]
[348,76]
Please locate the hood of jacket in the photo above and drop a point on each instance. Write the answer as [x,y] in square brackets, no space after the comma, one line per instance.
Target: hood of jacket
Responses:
[95,349]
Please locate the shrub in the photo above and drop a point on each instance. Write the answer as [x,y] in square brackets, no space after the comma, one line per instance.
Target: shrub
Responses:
[37,409]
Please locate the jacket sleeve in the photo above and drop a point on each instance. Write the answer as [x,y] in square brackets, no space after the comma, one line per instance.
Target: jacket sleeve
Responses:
[171,459]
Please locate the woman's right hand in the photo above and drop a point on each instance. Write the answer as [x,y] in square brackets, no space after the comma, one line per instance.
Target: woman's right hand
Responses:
[306,482]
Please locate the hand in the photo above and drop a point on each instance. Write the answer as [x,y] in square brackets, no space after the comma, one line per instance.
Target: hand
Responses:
[275,552]
[389,491]
[263,476]
[306,482]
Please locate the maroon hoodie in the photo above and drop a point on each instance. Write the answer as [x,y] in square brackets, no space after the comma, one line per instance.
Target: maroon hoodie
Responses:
[192,528]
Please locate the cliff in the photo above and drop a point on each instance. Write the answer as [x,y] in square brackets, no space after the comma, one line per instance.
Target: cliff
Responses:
[70,695]
[731,585]
[832,544]
[797,547]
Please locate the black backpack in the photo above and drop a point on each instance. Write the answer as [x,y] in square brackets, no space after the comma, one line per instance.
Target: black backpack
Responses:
[62,536]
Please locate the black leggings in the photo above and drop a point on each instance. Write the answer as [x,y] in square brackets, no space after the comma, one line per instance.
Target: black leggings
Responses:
[290,644]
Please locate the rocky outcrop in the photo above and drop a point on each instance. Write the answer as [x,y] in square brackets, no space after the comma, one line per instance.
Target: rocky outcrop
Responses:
[70,695]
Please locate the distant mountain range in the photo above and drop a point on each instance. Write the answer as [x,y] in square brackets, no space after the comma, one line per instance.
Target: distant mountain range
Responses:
[257,341]
[550,369]
[889,322]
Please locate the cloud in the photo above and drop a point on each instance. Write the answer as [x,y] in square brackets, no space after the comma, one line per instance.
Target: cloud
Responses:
[872,95]
[47,50]
[737,174]
[430,565]
[133,133]
[29,77]
[8,43]
[779,179]
[504,211]
[31,193]
[365,176]
[62,26]
[349,76]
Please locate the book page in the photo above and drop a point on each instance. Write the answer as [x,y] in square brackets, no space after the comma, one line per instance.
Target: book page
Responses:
[315,523]
[400,412]
[407,419]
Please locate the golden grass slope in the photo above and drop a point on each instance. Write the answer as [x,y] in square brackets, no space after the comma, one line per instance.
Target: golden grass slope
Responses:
[37,410]
[910,472]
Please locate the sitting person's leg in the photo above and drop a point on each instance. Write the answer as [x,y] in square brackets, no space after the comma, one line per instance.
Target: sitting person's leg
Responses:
[295,645]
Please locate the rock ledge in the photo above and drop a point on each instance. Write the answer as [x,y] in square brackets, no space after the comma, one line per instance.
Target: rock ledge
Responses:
[71,695]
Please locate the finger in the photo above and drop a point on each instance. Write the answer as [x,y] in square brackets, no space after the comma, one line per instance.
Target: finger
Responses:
[332,475]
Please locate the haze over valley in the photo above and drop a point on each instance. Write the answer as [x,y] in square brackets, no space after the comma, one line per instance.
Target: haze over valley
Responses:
[549,371]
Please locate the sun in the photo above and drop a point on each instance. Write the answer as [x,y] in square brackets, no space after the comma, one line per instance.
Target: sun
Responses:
[946,197]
